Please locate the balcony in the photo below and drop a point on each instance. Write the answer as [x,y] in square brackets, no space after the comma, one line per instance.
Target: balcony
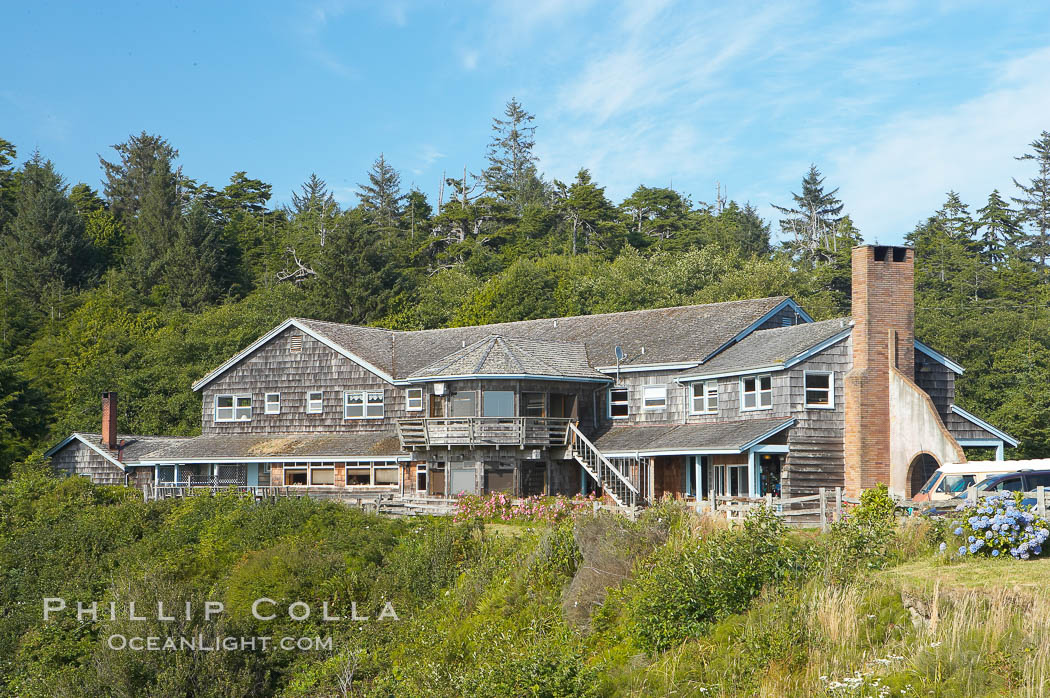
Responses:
[482,431]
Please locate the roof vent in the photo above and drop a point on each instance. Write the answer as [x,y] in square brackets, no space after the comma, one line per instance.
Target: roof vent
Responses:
[295,343]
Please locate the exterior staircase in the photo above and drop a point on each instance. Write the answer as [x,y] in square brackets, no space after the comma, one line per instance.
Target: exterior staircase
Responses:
[612,480]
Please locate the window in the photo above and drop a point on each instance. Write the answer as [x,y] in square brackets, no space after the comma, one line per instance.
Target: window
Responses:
[1010,484]
[315,402]
[295,475]
[272,403]
[954,483]
[322,475]
[1037,480]
[357,476]
[421,477]
[533,405]
[705,397]
[233,408]
[363,404]
[654,397]
[618,407]
[820,393]
[414,400]
[375,474]
[497,403]
[464,404]
[756,392]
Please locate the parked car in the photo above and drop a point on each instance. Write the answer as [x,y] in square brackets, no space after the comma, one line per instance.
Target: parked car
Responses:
[952,479]
[1023,481]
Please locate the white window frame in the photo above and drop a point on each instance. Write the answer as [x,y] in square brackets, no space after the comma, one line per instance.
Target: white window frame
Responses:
[271,407]
[234,407]
[320,402]
[626,402]
[657,388]
[708,390]
[830,389]
[368,400]
[757,392]
[414,400]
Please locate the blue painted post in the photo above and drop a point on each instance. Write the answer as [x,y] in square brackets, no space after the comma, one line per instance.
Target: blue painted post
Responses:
[999,451]
[689,477]
[583,481]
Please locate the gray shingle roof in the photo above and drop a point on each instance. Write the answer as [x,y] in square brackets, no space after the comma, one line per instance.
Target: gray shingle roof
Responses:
[135,447]
[667,335]
[772,347]
[261,446]
[496,355]
[713,436]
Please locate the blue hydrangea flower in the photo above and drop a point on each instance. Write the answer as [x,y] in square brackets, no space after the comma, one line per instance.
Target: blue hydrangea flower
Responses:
[995,553]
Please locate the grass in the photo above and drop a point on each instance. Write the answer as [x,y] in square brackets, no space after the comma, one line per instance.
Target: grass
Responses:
[975,574]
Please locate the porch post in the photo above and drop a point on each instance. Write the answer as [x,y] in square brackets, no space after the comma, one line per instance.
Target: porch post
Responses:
[752,475]
[999,451]
[176,476]
[689,476]
[697,477]
[583,481]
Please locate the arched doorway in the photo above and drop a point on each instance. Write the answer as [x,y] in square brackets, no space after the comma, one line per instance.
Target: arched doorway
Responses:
[920,470]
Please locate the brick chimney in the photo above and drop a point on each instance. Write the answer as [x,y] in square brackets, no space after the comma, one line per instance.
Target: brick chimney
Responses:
[109,421]
[883,336]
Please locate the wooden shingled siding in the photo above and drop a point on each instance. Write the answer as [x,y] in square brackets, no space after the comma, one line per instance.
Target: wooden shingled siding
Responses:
[785,317]
[938,381]
[816,456]
[78,459]
[275,368]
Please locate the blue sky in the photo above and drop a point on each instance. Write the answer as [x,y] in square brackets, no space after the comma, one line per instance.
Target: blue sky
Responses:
[895,102]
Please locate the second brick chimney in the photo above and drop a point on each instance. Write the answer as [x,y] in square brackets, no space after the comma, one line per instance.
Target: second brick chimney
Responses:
[109,421]
[883,336]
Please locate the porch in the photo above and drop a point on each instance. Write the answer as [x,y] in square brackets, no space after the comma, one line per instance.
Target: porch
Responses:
[535,432]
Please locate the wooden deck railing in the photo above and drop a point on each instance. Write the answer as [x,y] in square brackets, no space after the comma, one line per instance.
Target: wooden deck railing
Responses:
[425,432]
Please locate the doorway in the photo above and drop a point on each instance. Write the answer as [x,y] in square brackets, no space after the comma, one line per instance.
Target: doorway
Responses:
[769,465]
[920,470]
[437,406]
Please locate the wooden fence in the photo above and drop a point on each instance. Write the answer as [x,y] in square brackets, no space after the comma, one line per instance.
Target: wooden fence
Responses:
[1040,494]
[823,508]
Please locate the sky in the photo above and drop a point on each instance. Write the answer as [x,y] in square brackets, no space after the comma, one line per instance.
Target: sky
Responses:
[896,103]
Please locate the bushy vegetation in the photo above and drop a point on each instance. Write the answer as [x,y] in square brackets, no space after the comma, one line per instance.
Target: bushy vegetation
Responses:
[999,524]
[591,605]
[499,506]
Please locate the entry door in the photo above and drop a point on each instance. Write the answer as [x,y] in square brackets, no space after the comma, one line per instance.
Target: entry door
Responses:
[730,480]
[563,406]
[437,406]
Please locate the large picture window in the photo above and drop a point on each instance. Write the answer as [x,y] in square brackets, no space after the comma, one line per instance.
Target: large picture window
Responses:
[705,398]
[363,404]
[497,403]
[820,390]
[464,404]
[618,406]
[756,392]
[233,408]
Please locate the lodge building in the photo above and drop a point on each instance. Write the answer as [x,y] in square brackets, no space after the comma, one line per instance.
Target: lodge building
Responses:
[742,398]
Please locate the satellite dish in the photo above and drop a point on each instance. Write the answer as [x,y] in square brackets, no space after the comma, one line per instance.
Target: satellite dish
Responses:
[620,355]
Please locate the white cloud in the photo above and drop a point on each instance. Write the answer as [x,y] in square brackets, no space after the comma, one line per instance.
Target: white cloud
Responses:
[900,173]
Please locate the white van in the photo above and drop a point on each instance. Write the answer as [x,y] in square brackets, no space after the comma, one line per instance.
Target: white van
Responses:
[951,479]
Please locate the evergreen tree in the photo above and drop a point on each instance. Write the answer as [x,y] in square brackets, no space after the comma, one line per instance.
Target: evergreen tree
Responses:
[128,180]
[153,229]
[812,222]
[381,199]
[193,266]
[348,273]
[999,229]
[512,175]
[592,221]
[46,252]
[85,199]
[244,195]
[656,214]
[1035,200]
[8,181]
